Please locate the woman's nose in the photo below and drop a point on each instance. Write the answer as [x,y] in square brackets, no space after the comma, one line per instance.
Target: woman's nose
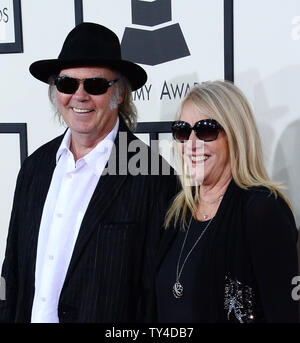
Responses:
[194,143]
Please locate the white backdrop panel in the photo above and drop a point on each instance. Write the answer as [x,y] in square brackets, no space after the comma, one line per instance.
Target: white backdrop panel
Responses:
[267,68]
[201,23]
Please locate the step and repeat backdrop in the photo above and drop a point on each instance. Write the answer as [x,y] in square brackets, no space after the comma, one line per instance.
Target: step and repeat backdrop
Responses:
[255,43]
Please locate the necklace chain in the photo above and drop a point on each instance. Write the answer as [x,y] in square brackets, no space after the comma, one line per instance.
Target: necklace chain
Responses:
[178,288]
[212,202]
[205,215]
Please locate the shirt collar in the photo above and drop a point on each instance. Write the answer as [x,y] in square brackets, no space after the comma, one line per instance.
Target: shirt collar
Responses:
[64,146]
[101,151]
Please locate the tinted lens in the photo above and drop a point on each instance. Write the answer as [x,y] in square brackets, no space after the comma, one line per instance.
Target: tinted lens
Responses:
[207,130]
[66,85]
[96,86]
[181,131]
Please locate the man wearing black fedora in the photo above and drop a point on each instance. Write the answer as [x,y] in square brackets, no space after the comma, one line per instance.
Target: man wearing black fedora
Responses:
[82,239]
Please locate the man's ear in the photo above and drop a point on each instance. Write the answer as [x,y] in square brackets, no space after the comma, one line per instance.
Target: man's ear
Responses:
[121,97]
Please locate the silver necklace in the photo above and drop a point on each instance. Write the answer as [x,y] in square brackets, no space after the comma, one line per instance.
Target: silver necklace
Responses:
[178,287]
[205,216]
[212,202]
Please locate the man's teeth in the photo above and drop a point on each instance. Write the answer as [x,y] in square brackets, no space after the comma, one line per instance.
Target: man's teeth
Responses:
[78,110]
[199,158]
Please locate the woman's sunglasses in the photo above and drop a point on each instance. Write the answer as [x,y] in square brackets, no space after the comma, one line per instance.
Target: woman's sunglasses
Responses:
[93,86]
[206,130]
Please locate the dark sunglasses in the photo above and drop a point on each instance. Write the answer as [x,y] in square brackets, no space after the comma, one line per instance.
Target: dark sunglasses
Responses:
[93,86]
[206,130]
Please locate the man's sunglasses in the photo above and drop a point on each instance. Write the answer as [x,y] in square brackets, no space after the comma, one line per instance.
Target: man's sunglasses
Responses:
[93,86]
[206,130]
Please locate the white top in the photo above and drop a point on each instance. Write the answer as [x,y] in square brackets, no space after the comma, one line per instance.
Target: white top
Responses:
[72,186]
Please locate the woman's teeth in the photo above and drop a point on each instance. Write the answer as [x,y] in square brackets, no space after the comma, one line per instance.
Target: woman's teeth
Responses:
[199,158]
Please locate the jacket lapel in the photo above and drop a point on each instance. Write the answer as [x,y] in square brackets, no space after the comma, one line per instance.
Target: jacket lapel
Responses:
[42,180]
[39,184]
[104,195]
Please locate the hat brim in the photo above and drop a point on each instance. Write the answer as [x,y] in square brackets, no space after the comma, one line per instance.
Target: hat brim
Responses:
[44,69]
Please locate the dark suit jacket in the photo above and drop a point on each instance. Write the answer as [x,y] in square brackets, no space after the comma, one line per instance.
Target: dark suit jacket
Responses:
[249,259]
[113,254]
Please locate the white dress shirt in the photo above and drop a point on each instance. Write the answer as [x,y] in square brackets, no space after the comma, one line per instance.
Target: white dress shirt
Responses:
[72,186]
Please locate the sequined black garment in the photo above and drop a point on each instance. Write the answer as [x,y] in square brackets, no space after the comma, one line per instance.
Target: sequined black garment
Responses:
[239,301]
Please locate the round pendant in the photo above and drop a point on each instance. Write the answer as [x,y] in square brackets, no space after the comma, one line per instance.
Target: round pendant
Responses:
[178,289]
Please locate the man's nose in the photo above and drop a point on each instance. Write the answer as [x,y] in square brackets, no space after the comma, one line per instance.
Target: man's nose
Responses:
[81,93]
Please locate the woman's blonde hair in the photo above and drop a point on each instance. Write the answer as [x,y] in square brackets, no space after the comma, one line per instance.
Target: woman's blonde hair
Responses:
[224,102]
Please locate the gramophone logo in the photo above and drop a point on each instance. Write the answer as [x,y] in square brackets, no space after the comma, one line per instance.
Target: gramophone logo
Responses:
[156,46]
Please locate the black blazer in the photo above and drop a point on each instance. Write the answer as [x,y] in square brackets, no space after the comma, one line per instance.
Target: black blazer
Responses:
[113,254]
[250,259]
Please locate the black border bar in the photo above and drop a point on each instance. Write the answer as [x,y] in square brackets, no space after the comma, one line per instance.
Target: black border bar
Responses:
[78,6]
[21,129]
[17,46]
[228,41]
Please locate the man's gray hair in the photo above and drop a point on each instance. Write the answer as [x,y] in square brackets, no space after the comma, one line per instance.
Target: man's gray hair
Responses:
[127,108]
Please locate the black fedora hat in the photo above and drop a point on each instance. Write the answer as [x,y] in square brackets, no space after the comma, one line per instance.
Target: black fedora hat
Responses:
[90,44]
